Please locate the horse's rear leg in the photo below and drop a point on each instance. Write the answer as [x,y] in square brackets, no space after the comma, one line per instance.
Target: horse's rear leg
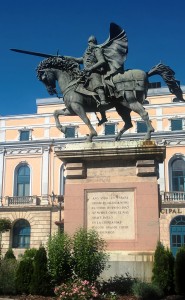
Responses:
[124,113]
[79,110]
[138,108]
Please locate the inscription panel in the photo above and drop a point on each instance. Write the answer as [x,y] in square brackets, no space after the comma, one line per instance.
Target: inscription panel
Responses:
[111,213]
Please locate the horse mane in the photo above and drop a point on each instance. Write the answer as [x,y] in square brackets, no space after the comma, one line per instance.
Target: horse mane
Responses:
[60,63]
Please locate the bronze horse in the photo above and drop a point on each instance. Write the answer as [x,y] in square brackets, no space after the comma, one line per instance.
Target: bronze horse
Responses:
[69,77]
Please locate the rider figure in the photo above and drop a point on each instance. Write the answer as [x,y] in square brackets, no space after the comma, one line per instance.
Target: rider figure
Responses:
[94,66]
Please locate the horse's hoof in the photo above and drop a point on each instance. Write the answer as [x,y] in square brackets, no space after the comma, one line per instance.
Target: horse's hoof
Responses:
[89,140]
[103,120]
[118,137]
[90,137]
[62,129]
[147,137]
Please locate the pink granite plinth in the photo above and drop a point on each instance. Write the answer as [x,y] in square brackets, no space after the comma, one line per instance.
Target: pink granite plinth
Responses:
[112,187]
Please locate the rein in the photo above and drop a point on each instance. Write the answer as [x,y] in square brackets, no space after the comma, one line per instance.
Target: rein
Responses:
[71,84]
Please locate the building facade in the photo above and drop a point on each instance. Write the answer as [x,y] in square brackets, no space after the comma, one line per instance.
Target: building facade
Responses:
[32,176]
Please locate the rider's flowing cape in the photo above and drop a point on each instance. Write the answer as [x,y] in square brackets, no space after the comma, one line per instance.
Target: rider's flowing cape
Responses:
[115,49]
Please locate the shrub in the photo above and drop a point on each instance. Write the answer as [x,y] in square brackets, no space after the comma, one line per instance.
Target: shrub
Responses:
[9,254]
[5,225]
[8,269]
[89,256]
[23,276]
[179,271]
[40,281]
[76,290]
[25,271]
[146,291]
[29,253]
[60,263]
[121,285]
[163,269]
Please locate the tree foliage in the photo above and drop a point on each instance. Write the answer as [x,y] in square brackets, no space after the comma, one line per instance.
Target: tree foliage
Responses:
[40,281]
[9,254]
[147,291]
[29,253]
[8,269]
[89,254]
[179,271]
[5,225]
[60,262]
[23,276]
[83,255]
[163,269]
[25,271]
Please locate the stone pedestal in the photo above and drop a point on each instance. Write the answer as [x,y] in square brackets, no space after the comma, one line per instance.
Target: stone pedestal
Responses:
[112,187]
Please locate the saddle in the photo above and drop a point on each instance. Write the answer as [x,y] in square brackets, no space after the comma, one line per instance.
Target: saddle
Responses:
[130,80]
[83,87]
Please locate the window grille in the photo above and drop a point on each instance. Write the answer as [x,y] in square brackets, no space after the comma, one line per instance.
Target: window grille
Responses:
[141,127]
[70,132]
[176,124]
[24,135]
[109,129]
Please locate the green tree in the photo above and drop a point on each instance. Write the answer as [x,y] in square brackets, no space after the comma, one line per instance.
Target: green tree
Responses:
[25,271]
[146,291]
[163,269]
[9,254]
[8,269]
[40,280]
[179,271]
[60,264]
[89,254]
[29,253]
[5,225]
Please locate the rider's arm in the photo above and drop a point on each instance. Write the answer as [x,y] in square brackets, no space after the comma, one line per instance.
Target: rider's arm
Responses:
[79,60]
[100,60]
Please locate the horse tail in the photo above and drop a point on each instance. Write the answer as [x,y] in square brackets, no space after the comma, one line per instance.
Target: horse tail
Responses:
[168,76]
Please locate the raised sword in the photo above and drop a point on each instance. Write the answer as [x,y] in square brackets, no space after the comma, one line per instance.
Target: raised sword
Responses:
[34,53]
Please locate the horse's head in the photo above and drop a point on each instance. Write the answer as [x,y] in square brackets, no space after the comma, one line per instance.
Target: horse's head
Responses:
[46,71]
[49,80]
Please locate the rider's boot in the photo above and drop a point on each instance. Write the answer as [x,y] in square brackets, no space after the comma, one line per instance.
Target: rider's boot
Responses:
[102,97]
[103,118]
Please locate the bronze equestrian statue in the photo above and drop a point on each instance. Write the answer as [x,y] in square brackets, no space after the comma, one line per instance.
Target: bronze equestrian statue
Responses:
[103,83]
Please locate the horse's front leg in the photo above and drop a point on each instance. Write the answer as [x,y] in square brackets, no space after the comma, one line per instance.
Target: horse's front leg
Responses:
[61,112]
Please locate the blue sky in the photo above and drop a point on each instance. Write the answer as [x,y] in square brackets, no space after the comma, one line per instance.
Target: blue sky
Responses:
[155,30]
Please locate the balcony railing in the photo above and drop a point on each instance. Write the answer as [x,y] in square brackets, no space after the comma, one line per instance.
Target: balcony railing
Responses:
[32,200]
[173,197]
[24,200]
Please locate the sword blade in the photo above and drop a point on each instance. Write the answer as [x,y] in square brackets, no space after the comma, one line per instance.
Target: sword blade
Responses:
[33,53]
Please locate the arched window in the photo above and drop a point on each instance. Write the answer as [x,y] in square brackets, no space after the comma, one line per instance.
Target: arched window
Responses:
[178,175]
[22,181]
[177,233]
[21,234]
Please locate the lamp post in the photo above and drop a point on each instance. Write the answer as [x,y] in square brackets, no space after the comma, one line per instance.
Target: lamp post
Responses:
[60,223]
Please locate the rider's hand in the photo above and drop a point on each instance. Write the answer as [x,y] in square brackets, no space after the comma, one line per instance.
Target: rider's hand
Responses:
[88,71]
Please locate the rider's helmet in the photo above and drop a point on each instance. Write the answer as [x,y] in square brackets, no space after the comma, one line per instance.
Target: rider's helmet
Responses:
[92,39]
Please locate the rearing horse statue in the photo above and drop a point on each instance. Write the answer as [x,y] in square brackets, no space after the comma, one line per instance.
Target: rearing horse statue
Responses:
[103,83]
[66,72]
